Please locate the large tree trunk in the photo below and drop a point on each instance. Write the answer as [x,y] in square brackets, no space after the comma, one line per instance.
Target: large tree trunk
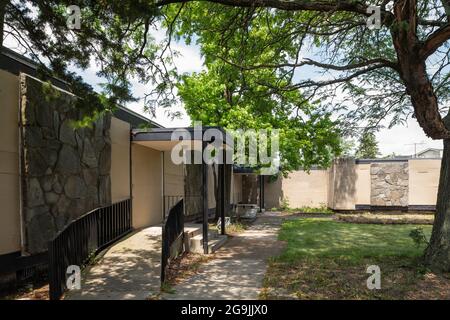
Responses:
[426,110]
[437,255]
[412,70]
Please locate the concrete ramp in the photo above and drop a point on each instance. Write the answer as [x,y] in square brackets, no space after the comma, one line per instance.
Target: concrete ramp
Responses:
[129,270]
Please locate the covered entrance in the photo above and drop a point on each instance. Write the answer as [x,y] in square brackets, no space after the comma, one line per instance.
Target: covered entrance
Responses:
[204,186]
[252,186]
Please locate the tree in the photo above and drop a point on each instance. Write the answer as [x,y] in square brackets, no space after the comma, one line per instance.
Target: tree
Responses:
[384,72]
[368,146]
[214,97]
[113,35]
[348,147]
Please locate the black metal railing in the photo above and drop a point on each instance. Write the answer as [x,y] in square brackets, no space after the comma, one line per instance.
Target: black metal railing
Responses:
[172,236]
[83,238]
[169,202]
[192,206]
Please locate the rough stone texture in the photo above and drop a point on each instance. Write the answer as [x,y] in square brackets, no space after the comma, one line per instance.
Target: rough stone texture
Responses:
[66,171]
[389,184]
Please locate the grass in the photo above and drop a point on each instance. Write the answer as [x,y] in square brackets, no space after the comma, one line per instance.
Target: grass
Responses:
[321,209]
[380,218]
[329,239]
[325,259]
[234,227]
[237,227]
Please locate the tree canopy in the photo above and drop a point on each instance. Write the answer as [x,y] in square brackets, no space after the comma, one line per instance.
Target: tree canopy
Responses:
[364,75]
[114,37]
[377,72]
[307,135]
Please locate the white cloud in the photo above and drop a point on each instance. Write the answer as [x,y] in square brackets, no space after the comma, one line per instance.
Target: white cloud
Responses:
[188,59]
[400,139]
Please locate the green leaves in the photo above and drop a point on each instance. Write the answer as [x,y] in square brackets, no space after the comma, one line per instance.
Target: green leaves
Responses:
[218,97]
[113,38]
[233,94]
[368,146]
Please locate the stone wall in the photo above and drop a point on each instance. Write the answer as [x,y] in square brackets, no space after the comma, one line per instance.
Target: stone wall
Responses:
[389,184]
[65,172]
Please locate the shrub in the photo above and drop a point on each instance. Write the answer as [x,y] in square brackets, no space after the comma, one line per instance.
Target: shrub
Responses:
[418,236]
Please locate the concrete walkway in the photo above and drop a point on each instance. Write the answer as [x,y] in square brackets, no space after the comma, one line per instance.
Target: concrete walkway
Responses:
[238,269]
[128,270]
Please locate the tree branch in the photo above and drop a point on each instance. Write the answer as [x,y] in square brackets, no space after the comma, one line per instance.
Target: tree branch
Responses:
[296,5]
[377,62]
[434,41]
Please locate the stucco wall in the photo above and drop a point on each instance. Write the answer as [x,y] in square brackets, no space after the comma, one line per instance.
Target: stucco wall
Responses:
[173,177]
[147,186]
[9,163]
[342,180]
[347,184]
[120,160]
[303,189]
[423,181]
[299,189]
[362,184]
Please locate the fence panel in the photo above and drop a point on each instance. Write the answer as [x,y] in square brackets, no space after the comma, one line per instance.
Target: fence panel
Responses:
[172,236]
[83,238]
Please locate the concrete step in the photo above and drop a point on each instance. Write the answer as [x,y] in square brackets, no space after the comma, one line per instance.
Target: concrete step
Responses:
[195,231]
[215,244]
[191,230]
[196,243]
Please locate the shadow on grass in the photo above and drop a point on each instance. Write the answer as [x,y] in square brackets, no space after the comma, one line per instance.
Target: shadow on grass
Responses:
[325,259]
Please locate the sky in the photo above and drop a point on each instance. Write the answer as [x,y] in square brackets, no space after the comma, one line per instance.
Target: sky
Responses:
[399,139]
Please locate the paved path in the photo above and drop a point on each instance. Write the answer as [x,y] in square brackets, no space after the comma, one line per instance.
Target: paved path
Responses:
[128,270]
[238,269]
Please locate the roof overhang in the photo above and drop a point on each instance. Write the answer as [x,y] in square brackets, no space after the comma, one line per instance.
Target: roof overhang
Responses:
[165,139]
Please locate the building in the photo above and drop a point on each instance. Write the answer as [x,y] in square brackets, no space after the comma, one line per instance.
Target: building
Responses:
[51,174]
[430,153]
[360,184]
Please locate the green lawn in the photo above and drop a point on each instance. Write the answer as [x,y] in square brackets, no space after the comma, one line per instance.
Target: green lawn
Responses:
[353,242]
[325,259]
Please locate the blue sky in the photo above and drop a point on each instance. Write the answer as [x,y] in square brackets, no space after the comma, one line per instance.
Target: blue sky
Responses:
[399,139]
